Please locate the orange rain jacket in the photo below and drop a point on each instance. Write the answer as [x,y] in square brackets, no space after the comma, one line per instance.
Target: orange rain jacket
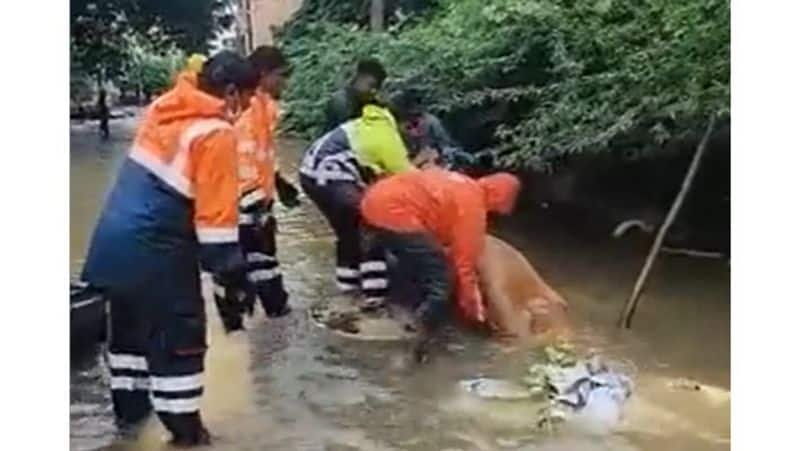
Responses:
[185,141]
[450,206]
[178,188]
[256,132]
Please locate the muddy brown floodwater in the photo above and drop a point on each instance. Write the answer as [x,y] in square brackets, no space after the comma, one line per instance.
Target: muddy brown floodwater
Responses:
[289,385]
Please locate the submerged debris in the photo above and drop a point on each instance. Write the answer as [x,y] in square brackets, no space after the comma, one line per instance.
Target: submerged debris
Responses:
[580,390]
[586,389]
[344,320]
[685,384]
[489,388]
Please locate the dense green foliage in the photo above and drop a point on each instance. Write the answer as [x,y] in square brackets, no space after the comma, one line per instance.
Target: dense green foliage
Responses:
[544,79]
[134,42]
[147,64]
[150,65]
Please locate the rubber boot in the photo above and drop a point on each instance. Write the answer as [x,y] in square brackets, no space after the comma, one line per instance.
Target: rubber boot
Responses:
[187,430]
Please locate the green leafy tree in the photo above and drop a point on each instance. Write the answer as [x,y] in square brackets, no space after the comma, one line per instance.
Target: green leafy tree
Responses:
[101,42]
[543,79]
[151,63]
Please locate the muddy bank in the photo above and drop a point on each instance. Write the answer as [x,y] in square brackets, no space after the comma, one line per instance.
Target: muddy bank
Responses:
[591,194]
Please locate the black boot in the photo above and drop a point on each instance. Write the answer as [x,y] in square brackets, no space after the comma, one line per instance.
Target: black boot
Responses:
[230,314]
[201,437]
[277,303]
[187,430]
[131,409]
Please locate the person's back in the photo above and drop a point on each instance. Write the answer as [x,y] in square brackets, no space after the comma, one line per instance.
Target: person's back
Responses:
[432,199]
[434,222]
[358,150]
[256,128]
[449,206]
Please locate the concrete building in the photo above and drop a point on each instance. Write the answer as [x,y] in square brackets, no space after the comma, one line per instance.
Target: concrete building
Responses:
[258,18]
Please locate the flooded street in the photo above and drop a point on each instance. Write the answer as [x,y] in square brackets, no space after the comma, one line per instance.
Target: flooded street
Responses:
[287,384]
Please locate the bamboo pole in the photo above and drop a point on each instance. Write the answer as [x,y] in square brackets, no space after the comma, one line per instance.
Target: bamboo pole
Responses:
[626,316]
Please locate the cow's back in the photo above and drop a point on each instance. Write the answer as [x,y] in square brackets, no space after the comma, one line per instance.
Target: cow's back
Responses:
[519,302]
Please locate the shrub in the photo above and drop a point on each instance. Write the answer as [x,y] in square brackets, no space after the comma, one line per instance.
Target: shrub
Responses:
[544,79]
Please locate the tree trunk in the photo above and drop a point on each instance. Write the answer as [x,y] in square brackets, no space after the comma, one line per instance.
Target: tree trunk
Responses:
[376,15]
[626,315]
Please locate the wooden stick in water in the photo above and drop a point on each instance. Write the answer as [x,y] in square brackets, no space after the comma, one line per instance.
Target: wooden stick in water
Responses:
[692,252]
[626,315]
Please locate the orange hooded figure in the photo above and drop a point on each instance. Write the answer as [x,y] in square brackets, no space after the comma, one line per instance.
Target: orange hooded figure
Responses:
[449,207]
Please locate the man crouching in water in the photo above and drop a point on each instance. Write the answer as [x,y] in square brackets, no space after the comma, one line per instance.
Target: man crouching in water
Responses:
[429,217]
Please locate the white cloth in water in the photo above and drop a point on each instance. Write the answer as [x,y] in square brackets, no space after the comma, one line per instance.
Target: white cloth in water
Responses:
[593,392]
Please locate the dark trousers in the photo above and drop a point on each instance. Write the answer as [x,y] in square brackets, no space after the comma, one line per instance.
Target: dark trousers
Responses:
[257,238]
[422,261]
[359,264]
[104,130]
[155,355]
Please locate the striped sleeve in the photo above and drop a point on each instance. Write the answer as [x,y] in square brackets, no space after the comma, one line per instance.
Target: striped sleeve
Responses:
[214,169]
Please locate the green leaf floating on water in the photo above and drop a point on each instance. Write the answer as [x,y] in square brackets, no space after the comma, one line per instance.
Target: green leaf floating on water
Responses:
[562,354]
[551,358]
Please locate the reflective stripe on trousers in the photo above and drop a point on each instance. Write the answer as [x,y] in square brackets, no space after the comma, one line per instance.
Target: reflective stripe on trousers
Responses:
[360,263]
[156,360]
[263,269]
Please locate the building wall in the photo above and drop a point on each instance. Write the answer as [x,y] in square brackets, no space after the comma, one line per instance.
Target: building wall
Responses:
[269,13]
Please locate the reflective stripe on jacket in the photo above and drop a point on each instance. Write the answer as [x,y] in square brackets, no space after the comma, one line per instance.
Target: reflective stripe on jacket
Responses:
[178,188]
[358,150]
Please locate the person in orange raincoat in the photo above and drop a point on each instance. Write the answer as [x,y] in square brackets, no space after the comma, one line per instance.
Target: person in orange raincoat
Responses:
[430,217]
[171,211]
[258,180]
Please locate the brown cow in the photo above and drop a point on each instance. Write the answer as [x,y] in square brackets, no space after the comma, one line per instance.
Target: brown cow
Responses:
[519,302]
